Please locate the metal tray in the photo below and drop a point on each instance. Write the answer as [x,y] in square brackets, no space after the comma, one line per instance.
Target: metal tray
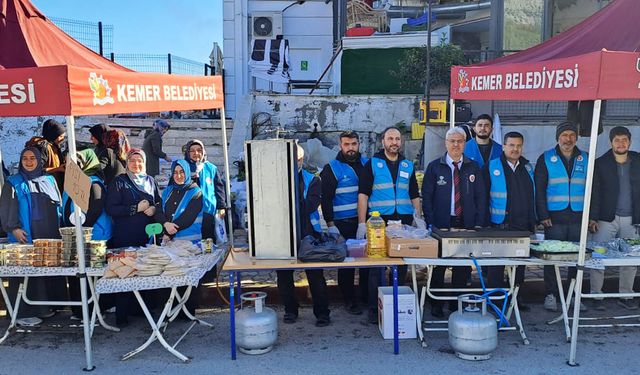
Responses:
[560,257]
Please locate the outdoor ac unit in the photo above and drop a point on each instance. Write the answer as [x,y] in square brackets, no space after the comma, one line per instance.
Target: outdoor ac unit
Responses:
[266,25]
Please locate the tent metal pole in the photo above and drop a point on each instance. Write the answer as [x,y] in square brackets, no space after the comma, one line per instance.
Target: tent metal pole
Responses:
[71,133]
[227,175]
[593,141]
[2,176]
[452,113]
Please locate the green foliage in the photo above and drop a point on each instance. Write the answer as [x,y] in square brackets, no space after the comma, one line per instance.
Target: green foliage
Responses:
[412,68]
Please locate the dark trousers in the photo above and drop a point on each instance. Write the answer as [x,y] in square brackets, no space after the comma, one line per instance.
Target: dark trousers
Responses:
[376,277]
[459,275]
[561,232]
[346,276]
[317,285]
[495,276]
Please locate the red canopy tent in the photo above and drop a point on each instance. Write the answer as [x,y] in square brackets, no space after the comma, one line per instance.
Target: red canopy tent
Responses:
[594,60]
[44,71]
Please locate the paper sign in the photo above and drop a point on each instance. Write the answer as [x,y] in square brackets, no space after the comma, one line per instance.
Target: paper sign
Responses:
[77,185]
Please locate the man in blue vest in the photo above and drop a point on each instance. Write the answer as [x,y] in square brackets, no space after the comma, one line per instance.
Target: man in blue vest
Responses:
[453,196]
[310,196]
[511,199]
[560,177]
[388,185]
[482,148]
[340,210]
[615,208]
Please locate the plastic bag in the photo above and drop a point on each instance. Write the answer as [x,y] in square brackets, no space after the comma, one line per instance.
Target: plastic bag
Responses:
[325,249]
[221,232]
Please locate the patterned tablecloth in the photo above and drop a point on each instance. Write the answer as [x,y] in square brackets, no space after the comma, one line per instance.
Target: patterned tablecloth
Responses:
[15,271]
[116,285]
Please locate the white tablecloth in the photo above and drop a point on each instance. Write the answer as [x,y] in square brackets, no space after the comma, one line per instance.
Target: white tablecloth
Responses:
[15,271]
[116,285]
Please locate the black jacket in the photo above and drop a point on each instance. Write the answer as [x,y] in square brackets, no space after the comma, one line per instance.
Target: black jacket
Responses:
[436,194]
[152,147]
[109,163]
[604,195]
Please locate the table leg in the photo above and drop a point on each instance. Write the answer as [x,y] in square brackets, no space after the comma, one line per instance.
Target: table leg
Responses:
[97,313]
[156,334]
[232,313]
[14,316]
[5,297]
[563,304]
[238,285]
[396,341]
[418,307]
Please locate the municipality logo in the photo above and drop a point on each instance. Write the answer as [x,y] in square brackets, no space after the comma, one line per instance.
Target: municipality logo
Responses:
[463,81]
[101,90]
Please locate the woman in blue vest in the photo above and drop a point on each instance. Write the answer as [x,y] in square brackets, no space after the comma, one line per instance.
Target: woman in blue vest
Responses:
[96,217]
[132,203]
[206,175]
[182,205]
[30,209]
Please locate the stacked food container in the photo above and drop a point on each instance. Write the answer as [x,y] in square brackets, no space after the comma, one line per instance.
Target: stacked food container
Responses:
[69,247]
[49,250]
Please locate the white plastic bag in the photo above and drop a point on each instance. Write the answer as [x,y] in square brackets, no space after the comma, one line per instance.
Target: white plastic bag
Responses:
[221,233]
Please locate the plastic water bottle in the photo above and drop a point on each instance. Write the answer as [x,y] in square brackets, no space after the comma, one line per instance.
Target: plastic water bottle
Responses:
[376,236]
[429,230]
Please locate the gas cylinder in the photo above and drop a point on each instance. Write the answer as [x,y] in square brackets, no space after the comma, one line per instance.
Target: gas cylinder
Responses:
[473,334]
[256,326]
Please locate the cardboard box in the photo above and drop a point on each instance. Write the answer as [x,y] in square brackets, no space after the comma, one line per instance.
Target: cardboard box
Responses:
[406,312]
[412,247]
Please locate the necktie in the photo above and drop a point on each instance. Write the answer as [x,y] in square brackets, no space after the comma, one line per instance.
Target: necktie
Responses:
[457,194]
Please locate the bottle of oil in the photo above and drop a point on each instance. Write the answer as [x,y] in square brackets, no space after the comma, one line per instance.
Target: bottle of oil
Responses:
[376,237]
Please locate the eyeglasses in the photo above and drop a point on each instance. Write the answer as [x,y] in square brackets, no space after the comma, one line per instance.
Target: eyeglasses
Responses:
[455,141]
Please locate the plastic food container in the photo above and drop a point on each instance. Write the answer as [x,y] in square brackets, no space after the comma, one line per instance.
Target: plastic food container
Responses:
[356,248]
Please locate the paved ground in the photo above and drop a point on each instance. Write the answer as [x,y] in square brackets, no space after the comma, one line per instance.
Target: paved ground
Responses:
[348,345]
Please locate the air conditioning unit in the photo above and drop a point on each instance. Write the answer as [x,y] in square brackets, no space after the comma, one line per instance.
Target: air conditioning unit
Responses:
[266,25]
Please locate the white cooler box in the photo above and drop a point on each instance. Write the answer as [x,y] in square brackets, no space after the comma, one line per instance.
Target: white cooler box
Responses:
[406,312]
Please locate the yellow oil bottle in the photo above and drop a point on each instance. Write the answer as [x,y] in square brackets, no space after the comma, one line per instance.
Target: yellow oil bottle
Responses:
[376,236]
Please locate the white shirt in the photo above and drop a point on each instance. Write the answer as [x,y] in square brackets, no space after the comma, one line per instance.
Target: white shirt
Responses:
[453,190]
[513,166]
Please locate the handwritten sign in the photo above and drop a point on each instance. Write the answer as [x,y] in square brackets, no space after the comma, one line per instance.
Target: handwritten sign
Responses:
[77,185]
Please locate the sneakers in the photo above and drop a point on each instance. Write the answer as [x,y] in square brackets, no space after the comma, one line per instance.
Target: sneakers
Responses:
[354,309]
[628,304]
[323,321]
[550,303]
[290,318]
[373,316]
[29,322]
[47,315]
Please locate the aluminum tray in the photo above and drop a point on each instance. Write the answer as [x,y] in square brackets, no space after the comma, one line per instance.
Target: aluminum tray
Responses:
[560,257]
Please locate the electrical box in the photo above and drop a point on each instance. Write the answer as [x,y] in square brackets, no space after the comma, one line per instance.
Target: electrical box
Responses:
[271,178]
[437,111]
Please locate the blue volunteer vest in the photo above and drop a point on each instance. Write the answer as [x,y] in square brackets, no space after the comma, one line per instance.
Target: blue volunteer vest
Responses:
[563,190]
[193,232]
[498,193]
[315,215]
[472,151]
[102,227]
[24,204]
[345,202]
[385,198]
[207,178]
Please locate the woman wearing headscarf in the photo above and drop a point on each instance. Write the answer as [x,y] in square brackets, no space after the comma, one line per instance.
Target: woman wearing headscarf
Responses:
[30,209]
[110,165]
[50,147]
[152,146]
[117,140]
[181,214]
[132,203]
[207,176]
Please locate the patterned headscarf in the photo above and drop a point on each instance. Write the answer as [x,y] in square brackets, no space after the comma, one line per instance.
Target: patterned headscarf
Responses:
[117,140]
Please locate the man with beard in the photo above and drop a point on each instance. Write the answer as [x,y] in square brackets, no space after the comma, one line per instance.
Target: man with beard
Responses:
[511,199]
[615,207]
[453,197]
[482,148]
[560,177]
[340,209]
[209,179]
[388,185]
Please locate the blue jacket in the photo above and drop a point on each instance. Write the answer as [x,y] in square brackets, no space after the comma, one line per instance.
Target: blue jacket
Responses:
[436,194]
[345,202]
[314,217]
[102,227]
[472,151]
[498,192]
[563,190]
[207,177]
[194,231]
[388,196]
[23,195]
